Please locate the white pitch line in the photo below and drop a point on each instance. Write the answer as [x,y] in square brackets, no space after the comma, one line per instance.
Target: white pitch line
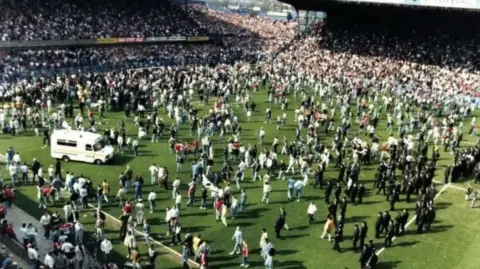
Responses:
[415,217]
[451,186]
[136,230]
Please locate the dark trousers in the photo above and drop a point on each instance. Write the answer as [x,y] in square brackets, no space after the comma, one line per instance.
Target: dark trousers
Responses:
[311,220]
[336,246]
[277,231]
[85,202]
[47,231]
[177,237]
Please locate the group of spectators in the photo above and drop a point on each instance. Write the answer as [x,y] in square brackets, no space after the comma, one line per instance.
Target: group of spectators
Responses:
[373,53]
[25,63]
[77,19]
[406,57]
[234,24]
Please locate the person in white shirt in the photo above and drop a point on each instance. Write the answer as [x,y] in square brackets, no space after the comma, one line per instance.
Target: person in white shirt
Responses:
[45,221]
[49,260]
[120,143]
[51,172]
[135,147]
[24,171]
[312,209]
[130,242]
[178,200]
[40,173]
[266,192]
[106,247]
[12,169]
[16,159]
[140,211]
[224,215]
[32,254]
[67,247]
[153,173]
[81,181]
[168,220]
[176,186]
[261,136]
[152,197]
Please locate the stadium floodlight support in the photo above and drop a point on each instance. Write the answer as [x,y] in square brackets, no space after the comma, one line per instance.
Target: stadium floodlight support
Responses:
[307,19]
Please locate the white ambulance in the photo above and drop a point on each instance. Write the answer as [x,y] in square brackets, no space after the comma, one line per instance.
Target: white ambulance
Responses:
[80,146]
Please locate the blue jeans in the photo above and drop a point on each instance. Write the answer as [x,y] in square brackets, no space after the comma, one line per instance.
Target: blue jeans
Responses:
[203,203]
[147,238]
[298,194]
[14,179]
[237,247]
[25,178]
[79,238]
[242,207]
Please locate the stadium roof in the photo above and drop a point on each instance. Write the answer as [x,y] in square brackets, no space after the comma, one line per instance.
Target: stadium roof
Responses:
[325,5]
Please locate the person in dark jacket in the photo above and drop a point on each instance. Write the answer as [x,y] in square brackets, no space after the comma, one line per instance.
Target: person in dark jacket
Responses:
[338,239]
[58,169]
[356,237]
[378,225]
[361,193]
[447,173]
[279,224]
[328,192]
[363,234]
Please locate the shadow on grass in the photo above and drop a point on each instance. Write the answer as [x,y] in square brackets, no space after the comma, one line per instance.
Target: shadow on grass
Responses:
[120,159]
[290,264]
[356,219]
[294,236]
[405,244]
[388,265]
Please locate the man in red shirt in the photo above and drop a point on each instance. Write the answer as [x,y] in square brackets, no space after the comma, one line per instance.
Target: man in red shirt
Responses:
[244,254]
[191,194]
[218,208]
[8,192]
[195,147]
[128,208]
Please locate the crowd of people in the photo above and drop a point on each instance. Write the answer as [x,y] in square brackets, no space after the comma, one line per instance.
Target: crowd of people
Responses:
[234,24]
[19,65]
[53,19]
[423,102]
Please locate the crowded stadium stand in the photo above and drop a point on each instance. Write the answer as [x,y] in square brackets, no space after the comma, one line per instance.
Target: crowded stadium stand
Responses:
[88,19]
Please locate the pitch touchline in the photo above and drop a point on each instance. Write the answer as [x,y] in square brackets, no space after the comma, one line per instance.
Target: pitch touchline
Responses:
[451,186]
[415,217]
